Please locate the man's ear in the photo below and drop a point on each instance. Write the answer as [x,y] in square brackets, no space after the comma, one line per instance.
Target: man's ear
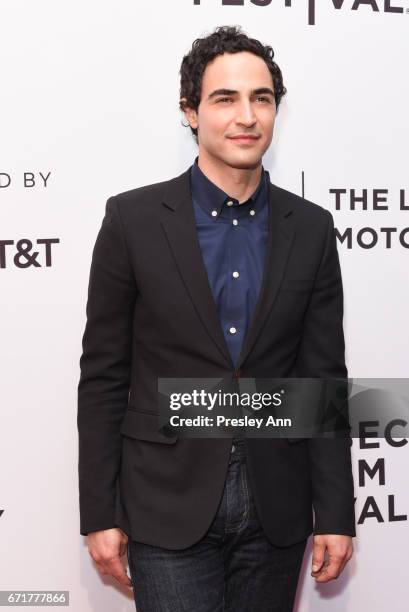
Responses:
[190,114]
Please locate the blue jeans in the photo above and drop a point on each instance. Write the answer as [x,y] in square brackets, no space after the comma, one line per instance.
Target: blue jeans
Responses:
[233,568]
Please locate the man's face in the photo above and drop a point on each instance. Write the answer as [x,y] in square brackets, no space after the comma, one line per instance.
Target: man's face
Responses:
[236,98]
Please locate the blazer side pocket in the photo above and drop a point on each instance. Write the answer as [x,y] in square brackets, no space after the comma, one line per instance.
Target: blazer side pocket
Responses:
[293,440]
[144,426]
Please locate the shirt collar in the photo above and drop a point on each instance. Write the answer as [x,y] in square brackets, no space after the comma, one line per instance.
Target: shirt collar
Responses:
[211,198]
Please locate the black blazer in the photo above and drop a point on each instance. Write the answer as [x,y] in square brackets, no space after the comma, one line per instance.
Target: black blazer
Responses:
[151,313]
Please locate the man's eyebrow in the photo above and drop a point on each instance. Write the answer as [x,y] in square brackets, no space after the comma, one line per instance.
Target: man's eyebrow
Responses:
[231,92]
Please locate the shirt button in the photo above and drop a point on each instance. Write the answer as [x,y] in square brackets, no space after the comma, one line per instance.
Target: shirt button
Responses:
[229,203]
[235,275]
[232,330]
[233,448]
[214,213]
[235,222]
[252,212]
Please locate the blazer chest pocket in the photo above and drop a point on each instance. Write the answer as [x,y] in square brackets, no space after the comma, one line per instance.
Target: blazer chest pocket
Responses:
[144,426]
[293,440]
[297,284]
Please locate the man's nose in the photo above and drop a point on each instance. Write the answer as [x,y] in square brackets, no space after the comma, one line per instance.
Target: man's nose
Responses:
[246,114]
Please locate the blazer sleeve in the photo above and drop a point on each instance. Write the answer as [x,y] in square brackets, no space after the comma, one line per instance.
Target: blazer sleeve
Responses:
[105,362]
[322,355]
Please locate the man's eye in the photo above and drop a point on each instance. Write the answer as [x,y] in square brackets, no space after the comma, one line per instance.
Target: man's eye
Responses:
[258,98]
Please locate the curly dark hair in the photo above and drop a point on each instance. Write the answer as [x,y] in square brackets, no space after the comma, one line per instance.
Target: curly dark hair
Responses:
[224,39]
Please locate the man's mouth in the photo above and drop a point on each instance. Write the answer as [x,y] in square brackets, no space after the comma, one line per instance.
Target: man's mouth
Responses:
[245,138]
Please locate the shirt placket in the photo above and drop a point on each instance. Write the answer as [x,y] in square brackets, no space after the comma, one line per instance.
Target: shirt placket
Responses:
[236,283]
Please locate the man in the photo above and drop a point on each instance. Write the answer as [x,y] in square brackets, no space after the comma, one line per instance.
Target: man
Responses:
[215,273]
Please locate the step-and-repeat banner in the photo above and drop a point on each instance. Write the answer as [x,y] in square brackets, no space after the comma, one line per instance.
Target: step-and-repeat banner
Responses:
[89,108]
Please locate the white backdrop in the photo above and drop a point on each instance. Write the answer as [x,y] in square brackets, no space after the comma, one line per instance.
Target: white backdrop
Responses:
[89,101]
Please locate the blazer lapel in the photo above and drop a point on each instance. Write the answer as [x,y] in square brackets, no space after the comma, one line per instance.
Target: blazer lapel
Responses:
[179,224]
[280,241]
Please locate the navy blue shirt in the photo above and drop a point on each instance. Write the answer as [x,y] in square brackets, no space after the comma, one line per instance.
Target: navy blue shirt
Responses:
[233,241]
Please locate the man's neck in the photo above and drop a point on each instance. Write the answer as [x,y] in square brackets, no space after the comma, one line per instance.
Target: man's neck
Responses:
[239,183]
